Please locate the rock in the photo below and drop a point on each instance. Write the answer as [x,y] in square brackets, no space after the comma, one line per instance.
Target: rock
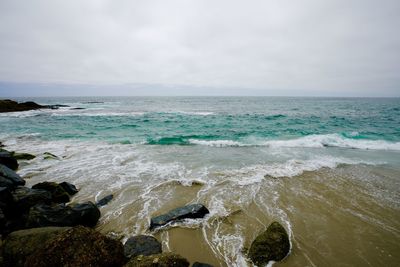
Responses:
[69,188]
[58,194]
[48,155]
[141,245]
[12,106]
[190,211]
[22,156]
[20,244]
[79,246]
[273,244]
[86,214]
[8,178]
[8,160]
[24,197]
[158,260]
[6,199]
[2,219]
[77,108]
[104,201]
[200,264]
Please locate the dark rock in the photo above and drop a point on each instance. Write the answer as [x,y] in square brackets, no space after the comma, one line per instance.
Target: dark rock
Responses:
[20,244]
[6,183]
[141,245]
[193,211]
[24,197]
[58,194]
[48,155]
[200,264]
[86,214]
[77,108]
[158,260]
[69,188]
[1,145]
[104,201]
[12,106]
[8,174]
[2,219]
[6,199]
[8,160]
[22,156]
[79,246]
[273,244]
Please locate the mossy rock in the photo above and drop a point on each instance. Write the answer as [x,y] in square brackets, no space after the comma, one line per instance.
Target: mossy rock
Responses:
[20,244]
[158,260]
[273,244]
[22,156]
[79,246]
[48,155]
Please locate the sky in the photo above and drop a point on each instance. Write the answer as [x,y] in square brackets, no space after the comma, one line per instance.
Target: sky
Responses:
[203,47]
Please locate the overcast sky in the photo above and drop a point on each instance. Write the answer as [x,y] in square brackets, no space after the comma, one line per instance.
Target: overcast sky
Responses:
[296,47]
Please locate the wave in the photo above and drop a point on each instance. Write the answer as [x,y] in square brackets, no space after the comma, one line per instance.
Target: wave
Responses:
[311,141]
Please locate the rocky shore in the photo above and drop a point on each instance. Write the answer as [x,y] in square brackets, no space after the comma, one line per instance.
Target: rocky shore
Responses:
[41,226]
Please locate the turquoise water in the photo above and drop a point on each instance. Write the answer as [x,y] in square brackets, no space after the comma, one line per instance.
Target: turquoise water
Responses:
[191,120]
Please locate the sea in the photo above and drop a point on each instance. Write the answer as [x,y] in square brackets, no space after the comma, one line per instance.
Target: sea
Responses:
[327,169]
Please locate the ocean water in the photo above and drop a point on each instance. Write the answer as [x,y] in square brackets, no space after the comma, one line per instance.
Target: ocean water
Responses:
[328,169]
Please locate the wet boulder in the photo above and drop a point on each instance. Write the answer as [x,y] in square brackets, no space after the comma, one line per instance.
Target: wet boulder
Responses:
[58,194]
[8,178]
[69,188]
[158,260]
[141,245]
[20,244]
[192,211]
[271,245]
[8,160]
[78,246]
[104,201]
[86,214]
[25,197]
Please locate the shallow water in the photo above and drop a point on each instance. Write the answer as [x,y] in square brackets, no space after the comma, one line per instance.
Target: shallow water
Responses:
[333,185]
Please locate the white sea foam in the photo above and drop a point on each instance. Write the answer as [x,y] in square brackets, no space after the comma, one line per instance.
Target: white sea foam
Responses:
[215,143]
[198,113]
[333,140]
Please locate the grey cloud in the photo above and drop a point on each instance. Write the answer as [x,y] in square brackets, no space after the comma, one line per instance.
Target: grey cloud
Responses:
[330,47]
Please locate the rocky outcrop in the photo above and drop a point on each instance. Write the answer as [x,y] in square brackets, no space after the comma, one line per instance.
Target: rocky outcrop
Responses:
[86,214]
[58,194]
[48,155]
[8,105]
[20,244]
[193,211]
[8,178]
[271,245]
[158,260]
[141,245]
[78,246]
[104,201]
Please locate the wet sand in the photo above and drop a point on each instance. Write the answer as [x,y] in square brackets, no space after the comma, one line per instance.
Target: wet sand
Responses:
[335,217]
